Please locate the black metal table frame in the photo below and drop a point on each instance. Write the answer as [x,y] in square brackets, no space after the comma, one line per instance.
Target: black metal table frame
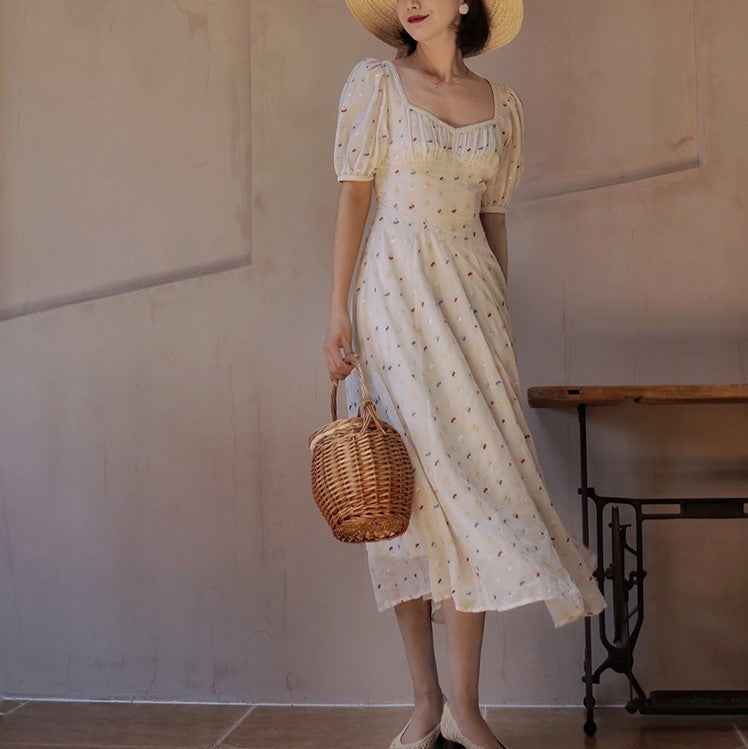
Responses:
[620,652]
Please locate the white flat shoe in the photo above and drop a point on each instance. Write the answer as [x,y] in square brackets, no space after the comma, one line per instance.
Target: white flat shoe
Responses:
[427,742]
[451,731]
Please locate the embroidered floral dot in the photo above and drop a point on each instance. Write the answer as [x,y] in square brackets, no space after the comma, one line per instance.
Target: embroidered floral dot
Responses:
[433,334]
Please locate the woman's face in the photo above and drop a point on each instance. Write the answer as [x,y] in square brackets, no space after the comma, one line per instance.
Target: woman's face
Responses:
[437,16]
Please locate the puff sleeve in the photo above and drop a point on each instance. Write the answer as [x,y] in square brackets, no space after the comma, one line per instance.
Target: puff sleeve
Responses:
[498,193]
[362,132]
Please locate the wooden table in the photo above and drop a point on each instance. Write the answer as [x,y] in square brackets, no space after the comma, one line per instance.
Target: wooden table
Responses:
[620,652]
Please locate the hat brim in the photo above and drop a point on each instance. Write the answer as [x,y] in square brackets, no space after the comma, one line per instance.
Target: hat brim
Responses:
[379,17]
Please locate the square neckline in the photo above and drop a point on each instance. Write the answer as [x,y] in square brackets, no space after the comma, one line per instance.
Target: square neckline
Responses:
[469,126]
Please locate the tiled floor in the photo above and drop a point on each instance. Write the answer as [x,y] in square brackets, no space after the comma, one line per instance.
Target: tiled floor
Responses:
[103,725]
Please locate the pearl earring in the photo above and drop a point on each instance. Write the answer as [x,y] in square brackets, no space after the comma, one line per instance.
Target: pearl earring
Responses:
[463,8]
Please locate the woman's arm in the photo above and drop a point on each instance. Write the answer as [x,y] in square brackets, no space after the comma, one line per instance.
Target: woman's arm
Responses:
[353,208]
[494,225]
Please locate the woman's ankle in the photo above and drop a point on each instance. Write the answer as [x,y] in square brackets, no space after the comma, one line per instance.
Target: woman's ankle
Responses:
[464,708]
[430,704]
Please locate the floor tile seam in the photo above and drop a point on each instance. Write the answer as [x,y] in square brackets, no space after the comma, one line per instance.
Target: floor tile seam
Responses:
[12,710]
[236,724]
[742,736]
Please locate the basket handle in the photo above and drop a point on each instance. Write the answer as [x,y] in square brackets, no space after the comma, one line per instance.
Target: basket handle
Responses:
[366,402]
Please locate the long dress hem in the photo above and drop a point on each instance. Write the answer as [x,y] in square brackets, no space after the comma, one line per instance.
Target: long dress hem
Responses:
[516,603]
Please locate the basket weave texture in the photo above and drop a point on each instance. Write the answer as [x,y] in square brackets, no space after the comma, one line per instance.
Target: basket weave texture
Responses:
[362,475]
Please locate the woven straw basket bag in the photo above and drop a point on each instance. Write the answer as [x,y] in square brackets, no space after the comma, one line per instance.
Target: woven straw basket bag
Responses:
[362,476]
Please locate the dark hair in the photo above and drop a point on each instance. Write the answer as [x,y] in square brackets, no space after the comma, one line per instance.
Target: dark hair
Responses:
[472,33]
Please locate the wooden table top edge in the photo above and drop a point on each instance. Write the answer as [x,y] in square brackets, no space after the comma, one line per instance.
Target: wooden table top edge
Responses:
[607,395]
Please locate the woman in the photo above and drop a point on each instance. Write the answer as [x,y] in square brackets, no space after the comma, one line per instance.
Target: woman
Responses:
[431,328]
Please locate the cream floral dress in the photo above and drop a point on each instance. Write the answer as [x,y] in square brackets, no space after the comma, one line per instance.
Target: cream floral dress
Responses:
[432,330]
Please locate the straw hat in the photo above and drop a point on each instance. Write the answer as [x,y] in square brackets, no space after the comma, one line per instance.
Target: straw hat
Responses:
[380,18]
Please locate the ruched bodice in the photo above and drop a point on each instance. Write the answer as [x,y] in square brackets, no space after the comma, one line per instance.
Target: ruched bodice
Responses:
[421,164]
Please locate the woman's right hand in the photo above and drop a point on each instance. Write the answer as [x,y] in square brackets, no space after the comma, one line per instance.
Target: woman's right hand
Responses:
[339,336]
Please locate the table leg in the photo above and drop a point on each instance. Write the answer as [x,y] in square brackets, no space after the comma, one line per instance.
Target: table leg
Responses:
[589,700]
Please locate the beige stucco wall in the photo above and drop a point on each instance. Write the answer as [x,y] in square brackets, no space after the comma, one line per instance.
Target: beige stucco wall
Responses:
[167,202]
